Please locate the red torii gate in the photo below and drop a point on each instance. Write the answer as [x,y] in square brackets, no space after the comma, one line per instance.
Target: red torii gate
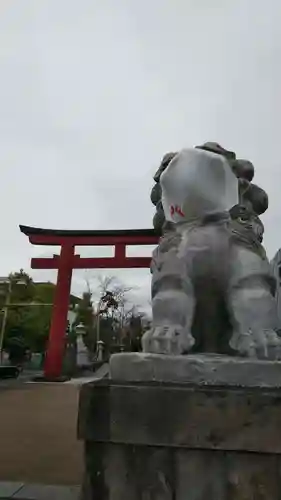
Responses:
[68,260]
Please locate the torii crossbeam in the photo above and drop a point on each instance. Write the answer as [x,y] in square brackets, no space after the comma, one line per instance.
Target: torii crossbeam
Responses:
[68,260]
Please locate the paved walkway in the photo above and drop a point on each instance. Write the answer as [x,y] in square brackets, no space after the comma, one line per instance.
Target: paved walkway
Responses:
[102,372]
[20,491]
[38,440]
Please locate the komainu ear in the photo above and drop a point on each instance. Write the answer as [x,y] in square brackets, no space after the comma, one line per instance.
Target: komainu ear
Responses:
[164,163]
[243,169]
[214,147]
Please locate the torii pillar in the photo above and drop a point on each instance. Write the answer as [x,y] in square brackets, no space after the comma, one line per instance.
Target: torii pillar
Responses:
[67,261]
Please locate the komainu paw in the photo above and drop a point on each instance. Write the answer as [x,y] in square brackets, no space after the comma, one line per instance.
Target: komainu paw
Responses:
[167,339]
[257,343]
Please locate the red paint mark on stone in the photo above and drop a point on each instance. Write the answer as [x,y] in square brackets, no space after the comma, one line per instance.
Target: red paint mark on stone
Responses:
[176,209]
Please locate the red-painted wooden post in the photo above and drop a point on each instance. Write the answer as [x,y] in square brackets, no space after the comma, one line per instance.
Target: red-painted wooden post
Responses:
[68,261]
[55,351]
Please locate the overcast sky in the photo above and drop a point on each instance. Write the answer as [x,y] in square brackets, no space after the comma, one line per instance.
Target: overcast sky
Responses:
[94,92]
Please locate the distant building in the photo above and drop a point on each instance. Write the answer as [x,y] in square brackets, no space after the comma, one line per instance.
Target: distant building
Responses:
[47,289]
[73,299]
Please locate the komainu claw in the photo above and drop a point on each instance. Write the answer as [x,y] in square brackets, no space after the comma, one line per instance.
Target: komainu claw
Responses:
[257,343]
[167,339]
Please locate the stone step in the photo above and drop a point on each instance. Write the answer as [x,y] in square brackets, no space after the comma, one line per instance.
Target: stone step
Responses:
[21,491]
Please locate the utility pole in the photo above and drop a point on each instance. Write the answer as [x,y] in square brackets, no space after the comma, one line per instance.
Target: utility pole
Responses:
[4,320]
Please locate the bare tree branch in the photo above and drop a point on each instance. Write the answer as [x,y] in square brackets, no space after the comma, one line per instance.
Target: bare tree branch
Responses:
[120,292]
[106,283]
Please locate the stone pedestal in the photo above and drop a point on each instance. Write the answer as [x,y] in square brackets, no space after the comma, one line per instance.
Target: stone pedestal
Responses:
[182,428]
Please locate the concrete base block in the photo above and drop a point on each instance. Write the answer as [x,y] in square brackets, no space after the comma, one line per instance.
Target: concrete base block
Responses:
[190,427]
[199,369]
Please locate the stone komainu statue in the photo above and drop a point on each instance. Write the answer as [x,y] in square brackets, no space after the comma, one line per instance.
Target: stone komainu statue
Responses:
[212,287]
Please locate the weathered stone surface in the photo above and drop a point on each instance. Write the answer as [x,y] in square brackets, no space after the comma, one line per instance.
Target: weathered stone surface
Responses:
[252,476]
[176,474]
[192,427]
[117,472]
[226,476]
[201,369]
[212,291]
[180,442]
[200,475]
[9,489]
[181,416]
[44,492]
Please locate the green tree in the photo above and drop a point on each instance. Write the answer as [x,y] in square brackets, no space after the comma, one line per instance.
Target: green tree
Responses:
[17,288]
[35,327]
[29,311]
